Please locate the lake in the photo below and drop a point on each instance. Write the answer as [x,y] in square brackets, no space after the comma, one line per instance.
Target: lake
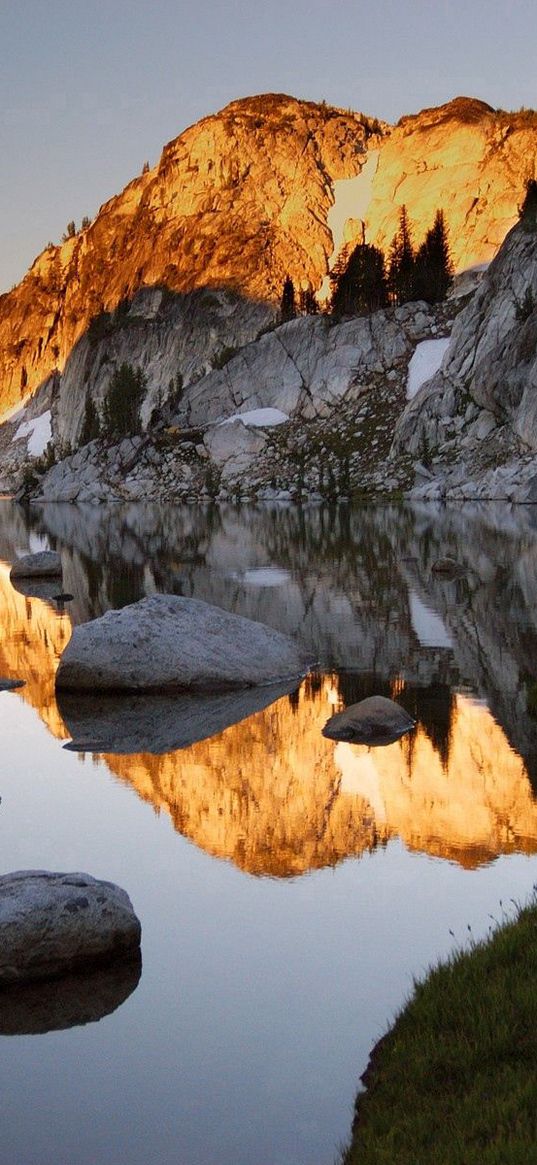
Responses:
[289,887]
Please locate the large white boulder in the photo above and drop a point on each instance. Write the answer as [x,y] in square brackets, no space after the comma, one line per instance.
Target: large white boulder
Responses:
[52,924]
[170,643]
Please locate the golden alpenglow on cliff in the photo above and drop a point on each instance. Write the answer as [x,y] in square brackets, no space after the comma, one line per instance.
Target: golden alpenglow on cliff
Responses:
[268,188]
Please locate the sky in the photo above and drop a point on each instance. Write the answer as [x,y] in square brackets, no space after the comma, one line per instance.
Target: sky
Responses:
[91,89]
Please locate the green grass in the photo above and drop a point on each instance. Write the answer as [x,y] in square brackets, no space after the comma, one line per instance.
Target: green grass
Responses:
[455,1080]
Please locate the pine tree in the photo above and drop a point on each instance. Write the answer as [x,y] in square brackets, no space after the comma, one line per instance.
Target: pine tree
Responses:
[401,262]
[288,302]
[308,303]
[433,269]
[91,426]
[362,285]
[528,210]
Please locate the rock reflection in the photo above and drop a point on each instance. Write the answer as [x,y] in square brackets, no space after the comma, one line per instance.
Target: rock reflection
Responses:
[155,723]
[277,798]
[33,637]
[71,1001]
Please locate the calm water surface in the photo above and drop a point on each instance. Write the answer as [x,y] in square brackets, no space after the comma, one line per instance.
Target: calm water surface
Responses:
[289,887]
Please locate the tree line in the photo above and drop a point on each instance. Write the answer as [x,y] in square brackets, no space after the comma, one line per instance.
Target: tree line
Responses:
[366,281]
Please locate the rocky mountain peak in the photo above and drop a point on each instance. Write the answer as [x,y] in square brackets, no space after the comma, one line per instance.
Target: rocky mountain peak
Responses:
[271,186]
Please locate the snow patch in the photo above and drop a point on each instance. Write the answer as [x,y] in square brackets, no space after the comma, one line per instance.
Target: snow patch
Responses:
[425,362]
[39,433]
[429,627]
[258,418]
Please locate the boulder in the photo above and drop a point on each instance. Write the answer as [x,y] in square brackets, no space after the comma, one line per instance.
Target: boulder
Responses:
[374,721]
[52,924]
[168,643]
[44,564]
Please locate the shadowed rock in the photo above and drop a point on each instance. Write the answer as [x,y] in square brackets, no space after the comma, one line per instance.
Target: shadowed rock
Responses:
[52,924]
[166,643]
[375,721]
[73,1000]
[157,723]
[44,564]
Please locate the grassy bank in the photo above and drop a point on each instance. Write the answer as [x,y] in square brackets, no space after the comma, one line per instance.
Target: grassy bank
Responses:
[455,1080]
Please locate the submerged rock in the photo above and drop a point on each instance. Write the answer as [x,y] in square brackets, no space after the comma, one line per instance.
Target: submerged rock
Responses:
[374,721]
[169,643]
[44,564]
[54,1005]
[52,924]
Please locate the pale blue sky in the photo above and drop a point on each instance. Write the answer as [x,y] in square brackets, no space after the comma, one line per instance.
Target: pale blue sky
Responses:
[90,89]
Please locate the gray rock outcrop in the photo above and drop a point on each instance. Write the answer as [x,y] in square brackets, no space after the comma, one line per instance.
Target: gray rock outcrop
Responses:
[168,643]
[475,421]
[374,721]
[44,564]
[342,386]
[52,924]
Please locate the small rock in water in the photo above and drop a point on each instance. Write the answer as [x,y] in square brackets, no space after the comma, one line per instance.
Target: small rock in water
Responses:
[52,924]
[44,564]
[10,685]
[375,721]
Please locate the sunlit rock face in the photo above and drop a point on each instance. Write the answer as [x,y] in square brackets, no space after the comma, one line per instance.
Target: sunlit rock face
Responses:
[238,201]
[269,186]
[468,159]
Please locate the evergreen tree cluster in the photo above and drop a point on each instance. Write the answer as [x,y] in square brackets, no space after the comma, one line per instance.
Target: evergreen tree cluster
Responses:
[366,282]
[120,415]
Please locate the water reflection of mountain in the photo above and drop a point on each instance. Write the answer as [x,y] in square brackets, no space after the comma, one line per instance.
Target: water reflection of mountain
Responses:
[356,586]
[275,797]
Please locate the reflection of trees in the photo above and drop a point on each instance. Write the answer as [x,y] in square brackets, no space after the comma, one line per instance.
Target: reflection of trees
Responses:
[431,707]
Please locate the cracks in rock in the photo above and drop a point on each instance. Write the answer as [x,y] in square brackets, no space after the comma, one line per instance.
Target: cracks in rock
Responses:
[292,361]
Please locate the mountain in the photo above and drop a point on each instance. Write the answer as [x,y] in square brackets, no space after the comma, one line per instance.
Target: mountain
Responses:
[268,187]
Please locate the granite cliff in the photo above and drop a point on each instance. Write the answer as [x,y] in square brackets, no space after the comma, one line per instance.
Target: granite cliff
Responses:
[200,245]
[475,422]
